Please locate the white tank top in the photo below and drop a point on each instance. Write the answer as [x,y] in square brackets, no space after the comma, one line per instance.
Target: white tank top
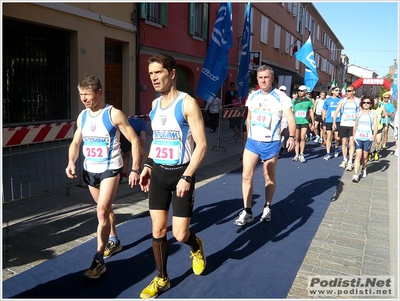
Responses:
[172,143]
[101,144]
[319,107]
[349,112]
[267,111]
[364,126]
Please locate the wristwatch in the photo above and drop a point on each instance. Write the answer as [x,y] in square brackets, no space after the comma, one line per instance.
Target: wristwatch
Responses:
[187,178]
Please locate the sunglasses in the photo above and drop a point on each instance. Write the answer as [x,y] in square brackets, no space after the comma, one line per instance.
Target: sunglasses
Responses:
[337,90]
[349,90]
[300,91]
[386,97]
[366,103]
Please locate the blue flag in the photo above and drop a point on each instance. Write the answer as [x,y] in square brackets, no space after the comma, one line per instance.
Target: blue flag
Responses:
[215,68]
[306,56]
[393,89]
[243,75]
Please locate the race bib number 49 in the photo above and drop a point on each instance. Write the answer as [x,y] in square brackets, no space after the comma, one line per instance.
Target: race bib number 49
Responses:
[261,118]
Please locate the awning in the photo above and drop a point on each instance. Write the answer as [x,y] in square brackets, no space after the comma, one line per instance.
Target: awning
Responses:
[296,79]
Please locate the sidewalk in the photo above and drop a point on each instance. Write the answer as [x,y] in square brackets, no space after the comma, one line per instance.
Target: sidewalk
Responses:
[357,236]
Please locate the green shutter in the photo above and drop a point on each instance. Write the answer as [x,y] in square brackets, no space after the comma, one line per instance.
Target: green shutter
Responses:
[143,10]
[204,27]
[191,19]
[164,14]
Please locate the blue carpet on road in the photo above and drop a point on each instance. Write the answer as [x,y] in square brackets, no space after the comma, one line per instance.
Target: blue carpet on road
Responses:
[257,261]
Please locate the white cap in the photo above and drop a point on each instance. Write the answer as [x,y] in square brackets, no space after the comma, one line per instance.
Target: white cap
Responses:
[282,88]
[302,87]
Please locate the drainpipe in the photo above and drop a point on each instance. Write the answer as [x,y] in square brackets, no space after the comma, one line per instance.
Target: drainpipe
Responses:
[135,18]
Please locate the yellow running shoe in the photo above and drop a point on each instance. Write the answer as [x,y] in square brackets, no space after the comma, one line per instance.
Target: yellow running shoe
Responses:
[198,258]
[156,287]
[112,248]
[96,269]
[376,156]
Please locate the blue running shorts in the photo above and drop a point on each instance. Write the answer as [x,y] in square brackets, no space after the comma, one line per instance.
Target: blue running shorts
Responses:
[265,150]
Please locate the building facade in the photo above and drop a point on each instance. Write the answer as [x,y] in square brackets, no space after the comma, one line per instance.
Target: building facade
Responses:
[49,47]
[281,28]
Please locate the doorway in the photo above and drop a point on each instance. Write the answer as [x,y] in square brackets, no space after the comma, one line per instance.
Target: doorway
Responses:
[113,73]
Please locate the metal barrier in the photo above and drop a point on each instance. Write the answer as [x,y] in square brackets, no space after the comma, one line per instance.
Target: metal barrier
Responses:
[230,125]
[33,165]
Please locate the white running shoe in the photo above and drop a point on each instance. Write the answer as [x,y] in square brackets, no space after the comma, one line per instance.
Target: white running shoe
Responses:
[337,151]
[296,158]
[301,158]
[364,173]
[349,166]
[266,215]
[343,164]
[355,178]
[244,218]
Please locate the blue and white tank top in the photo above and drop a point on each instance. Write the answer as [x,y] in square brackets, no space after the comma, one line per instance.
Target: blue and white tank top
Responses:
[172,143]
[364,129]
[101,144]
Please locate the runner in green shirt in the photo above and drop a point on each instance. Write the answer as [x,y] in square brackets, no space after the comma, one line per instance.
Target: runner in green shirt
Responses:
[304,116]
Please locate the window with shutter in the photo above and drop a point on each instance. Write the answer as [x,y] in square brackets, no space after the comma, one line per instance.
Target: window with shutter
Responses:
[198,20]
[156,13]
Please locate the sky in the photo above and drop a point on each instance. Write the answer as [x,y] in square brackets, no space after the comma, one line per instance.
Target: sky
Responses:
[368,31]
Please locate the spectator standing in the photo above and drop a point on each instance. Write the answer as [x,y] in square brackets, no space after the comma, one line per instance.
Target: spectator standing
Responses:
[213,108]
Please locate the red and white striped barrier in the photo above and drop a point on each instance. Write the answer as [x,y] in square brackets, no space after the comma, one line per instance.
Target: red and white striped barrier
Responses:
[229,113]
[23,135]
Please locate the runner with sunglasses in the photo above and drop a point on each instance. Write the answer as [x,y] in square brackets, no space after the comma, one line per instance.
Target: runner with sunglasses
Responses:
[348,108]
[364,131]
